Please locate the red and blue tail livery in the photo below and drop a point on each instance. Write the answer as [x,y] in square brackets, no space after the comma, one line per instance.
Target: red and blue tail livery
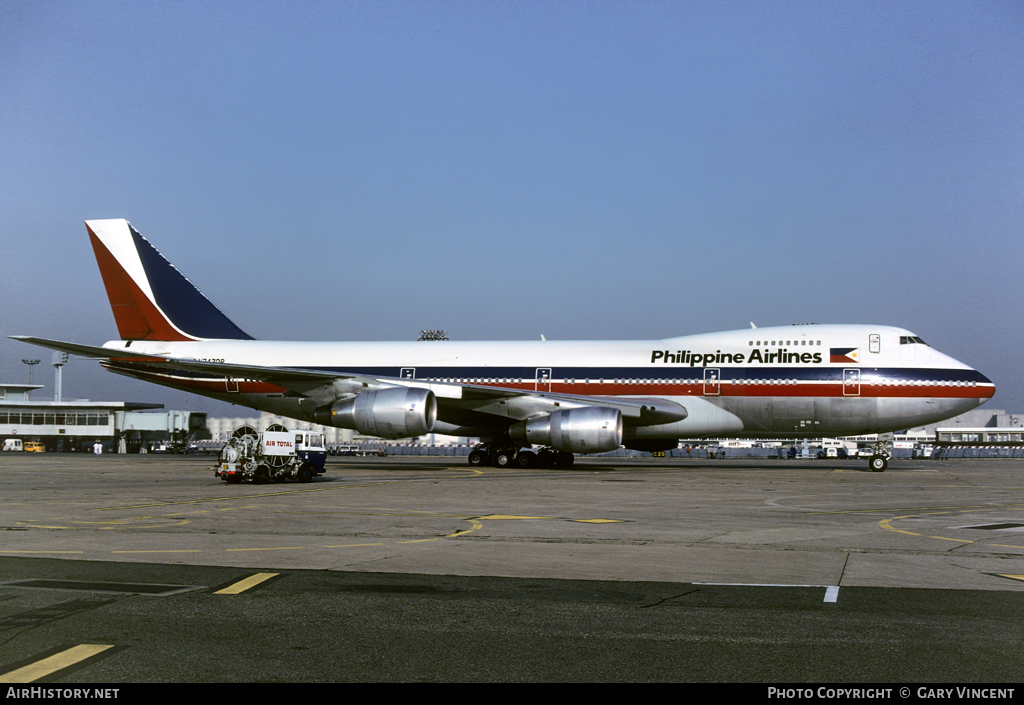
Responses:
[531,402]
[150,298]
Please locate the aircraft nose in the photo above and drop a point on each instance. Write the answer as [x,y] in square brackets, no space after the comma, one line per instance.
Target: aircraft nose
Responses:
[985,385]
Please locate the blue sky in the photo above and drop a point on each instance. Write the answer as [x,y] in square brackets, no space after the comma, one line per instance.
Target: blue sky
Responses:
[502,170]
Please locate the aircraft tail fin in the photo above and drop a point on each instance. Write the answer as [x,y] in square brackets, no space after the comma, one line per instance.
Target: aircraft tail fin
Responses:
[150,298]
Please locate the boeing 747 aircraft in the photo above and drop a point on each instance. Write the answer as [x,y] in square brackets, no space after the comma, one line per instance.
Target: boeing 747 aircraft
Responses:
[531,403]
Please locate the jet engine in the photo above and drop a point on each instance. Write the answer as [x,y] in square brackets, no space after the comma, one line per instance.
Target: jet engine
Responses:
[393,412]
[591,429]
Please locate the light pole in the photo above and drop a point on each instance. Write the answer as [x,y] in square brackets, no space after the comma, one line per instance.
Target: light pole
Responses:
[30,363]
[59,360]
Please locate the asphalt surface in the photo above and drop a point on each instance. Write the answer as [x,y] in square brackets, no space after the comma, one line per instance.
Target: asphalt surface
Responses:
[136,569]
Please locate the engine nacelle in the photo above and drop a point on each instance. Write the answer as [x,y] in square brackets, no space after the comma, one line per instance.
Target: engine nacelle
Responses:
[592,429]
[393,412]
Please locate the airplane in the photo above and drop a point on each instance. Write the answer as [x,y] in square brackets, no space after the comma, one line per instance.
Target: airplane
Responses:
[531,403]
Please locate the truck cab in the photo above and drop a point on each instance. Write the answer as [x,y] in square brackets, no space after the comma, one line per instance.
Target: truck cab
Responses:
[311,447]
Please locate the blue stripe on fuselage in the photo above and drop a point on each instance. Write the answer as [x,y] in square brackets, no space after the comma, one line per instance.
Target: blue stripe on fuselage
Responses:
[695,374]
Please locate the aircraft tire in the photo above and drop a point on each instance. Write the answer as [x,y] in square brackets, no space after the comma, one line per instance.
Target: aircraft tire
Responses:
[502,459]
[545,459]
[478,458]
[526,459]
[564,459]
[878,463]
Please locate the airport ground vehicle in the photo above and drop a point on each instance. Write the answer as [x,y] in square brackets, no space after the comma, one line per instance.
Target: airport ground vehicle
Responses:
[276,455]
[173,447]
[833,452]
[18,445]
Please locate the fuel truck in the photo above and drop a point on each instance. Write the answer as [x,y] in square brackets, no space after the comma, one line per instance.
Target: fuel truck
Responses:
[276,455]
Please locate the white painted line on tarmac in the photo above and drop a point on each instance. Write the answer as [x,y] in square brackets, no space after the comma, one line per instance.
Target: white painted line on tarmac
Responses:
[831,591]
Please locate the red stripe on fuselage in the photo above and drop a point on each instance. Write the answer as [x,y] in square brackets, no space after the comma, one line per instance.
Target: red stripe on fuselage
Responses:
[200,385]
[728,389]
[834,389]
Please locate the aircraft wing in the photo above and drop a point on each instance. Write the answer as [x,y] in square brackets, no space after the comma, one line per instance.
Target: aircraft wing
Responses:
[94,351]
[466,404]
[292,379]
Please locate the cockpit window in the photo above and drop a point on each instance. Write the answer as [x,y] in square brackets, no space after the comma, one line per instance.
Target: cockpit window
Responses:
[911,340]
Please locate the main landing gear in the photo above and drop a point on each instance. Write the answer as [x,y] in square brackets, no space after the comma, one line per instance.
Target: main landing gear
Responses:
[879,459]
[503,456]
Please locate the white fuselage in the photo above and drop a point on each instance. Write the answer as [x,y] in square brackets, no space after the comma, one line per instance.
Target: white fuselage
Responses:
[793,381]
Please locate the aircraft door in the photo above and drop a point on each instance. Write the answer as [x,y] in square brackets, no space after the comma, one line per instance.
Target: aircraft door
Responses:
[712,381]
[851,383]
[408,373]
[543,379]
[231,384]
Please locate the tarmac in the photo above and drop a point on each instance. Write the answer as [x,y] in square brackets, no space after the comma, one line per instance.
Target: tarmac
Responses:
[774,553]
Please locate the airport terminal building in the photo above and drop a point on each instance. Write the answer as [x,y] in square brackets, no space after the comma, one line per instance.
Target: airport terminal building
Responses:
[69,426]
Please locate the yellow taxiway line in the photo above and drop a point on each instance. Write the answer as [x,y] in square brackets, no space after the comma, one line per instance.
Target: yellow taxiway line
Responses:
[52,664]
[246,584]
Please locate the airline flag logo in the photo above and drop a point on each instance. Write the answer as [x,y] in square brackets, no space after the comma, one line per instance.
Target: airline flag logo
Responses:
[844,355]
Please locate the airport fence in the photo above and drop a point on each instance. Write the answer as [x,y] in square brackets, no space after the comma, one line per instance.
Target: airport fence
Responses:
[939,453]
[959,452]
